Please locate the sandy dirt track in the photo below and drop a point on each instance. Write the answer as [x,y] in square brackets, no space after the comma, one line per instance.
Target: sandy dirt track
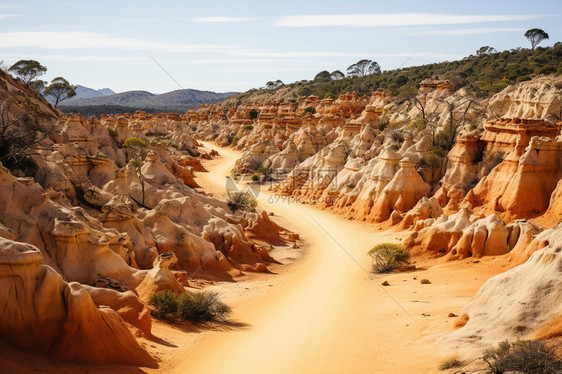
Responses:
[331,315]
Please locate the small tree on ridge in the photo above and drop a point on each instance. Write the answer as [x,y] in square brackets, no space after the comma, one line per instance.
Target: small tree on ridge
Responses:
[28,70]
[60,89]
[363,67]
[535,36]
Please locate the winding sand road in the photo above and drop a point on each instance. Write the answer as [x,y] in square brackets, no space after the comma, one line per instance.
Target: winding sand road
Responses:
[330,315]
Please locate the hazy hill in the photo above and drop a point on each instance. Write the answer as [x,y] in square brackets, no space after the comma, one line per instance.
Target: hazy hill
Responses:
[174,101]
[86,92]
[83,92]
[106,91]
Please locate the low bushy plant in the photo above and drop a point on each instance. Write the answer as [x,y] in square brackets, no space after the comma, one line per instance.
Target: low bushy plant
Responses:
[243,201]
[449,363]
[195,307]
[309,109]
[387,256]
[202,307]
[524,356]
[165,303]
[266,173]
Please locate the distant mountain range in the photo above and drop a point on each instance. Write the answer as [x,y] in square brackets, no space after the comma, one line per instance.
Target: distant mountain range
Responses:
[85,93]
[174,101]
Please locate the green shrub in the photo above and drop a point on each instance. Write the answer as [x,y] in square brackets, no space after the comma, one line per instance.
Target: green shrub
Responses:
[134,142]
[256,177]
[195,307]
[525,356]
[397,136]
[202,307]
[309,109]
[393,125]
[243,201]
[266,173]
[165,303]
[418,124]
[248,128]
[548,69]
[449,363]
[387,256]
[432,159]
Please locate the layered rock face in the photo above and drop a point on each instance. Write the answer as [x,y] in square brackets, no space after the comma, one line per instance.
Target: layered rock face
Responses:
[504,166]
[522,303]
[289,131]
[530,153]
[101,226]
[517,178]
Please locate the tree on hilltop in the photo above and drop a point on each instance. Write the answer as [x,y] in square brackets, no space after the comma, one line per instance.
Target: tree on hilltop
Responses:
[28,70]
[535,36]
[60,89]
[273,85]
[336,75]
[363,67]
[323,76]
[486,50]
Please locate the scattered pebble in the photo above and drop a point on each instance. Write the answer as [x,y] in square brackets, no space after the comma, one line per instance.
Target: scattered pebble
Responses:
[426,315]
[425,281]
[451,315]
[385,283]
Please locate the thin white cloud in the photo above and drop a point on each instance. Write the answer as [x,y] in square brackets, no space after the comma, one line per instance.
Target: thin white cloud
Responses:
[474,31]
[6,16]
[394,19]
[92,40]
[299,54]
[72,58]
[221,19]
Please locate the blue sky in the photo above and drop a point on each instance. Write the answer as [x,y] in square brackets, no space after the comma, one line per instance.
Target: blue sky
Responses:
[237,45]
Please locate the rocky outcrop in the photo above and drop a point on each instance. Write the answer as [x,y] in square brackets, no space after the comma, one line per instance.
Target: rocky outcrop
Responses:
[160,278]
[44,313]
[536,98]
[518,303]
[528,155]
[401,194]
